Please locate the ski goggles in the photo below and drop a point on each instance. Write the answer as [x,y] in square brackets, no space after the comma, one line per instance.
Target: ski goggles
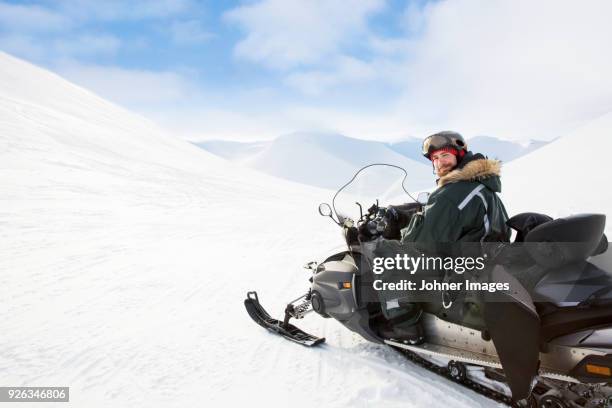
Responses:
[437,142]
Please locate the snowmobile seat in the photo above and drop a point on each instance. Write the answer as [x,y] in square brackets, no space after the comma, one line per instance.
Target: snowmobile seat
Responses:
[523,223]
[573,297]
[566,240]
[567,320]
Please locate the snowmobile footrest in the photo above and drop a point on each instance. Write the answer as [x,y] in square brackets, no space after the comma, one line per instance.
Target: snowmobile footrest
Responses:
[288,331]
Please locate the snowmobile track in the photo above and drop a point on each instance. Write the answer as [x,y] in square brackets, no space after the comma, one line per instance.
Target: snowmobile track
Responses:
[466,382]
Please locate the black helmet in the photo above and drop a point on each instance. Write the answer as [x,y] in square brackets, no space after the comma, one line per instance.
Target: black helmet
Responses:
[444,139]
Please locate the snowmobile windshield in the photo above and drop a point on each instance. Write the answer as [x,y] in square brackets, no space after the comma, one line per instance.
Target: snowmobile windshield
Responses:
[382,184]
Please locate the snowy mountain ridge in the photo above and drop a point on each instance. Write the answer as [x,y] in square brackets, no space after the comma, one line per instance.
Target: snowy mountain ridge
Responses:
[325,160]
[337,157]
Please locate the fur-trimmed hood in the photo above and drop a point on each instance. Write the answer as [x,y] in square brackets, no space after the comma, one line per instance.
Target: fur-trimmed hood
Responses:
[483,170]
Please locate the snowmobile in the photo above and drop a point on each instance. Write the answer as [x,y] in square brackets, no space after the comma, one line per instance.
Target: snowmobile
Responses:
[545,342]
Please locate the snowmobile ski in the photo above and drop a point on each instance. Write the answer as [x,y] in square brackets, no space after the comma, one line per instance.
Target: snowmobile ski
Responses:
[284,328]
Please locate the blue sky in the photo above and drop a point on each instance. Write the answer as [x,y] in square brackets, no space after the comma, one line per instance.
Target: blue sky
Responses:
[386,70]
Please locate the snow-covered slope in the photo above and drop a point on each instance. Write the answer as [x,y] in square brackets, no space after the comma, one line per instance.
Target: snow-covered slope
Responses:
[567,176]
[126,255]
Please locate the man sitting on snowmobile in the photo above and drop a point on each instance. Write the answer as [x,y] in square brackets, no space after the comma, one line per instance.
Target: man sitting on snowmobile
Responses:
[464,208]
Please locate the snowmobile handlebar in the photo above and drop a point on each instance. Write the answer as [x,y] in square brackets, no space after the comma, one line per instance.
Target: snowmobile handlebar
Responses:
[386,221]
[377,221]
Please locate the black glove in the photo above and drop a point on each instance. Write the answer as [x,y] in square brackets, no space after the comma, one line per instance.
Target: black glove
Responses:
[364,232]
[398,217]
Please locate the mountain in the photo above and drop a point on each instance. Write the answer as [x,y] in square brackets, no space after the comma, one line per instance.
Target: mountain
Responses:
[127,253]
[410,148]
[328,160]
[503,150]
[492,147]
[324,160]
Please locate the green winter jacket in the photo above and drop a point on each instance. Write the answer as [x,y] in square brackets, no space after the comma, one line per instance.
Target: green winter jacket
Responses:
[464,208]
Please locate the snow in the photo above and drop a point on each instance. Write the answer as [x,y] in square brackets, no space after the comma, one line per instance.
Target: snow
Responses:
[567,176]
[126,254]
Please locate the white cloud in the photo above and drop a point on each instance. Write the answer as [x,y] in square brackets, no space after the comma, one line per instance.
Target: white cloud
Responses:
[204,122]
[23,46]
[63,15]
[208,121]
[512,68]
[288,33]
[118,10]
[31,18]
[388,46]
[344,70]
[517,69]
[86,44]
[136,89]
[34,49]
[189,32]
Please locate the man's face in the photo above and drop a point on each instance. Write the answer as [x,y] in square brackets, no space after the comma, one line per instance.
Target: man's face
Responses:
[443,162]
